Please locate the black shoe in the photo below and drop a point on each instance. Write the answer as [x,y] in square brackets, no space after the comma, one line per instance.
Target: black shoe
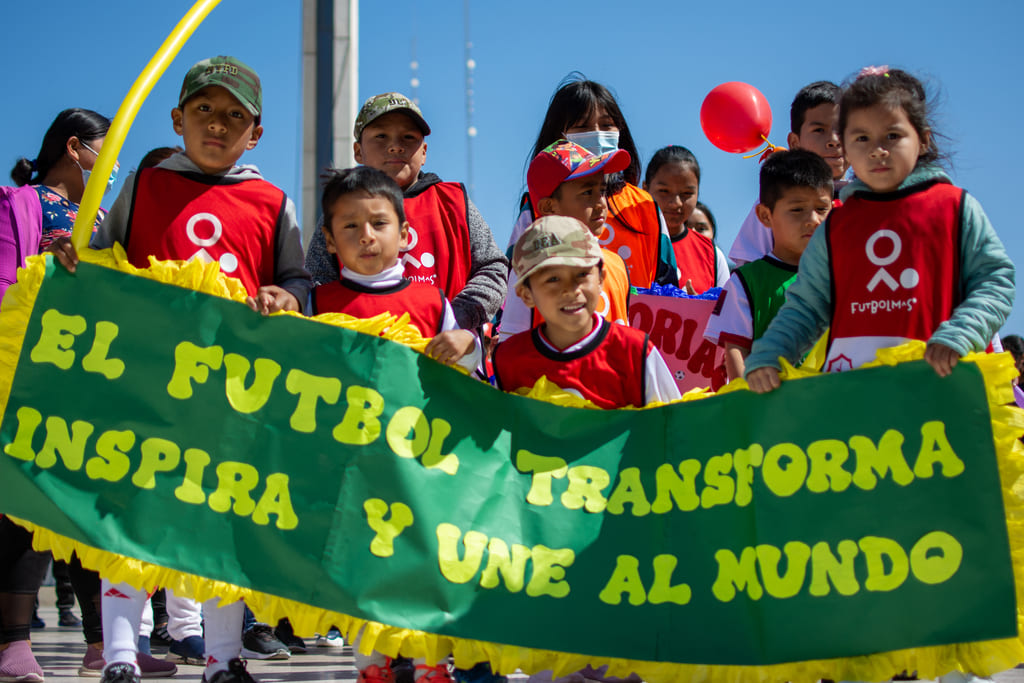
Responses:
[236,673]
[259,642]
[120,673]
[287,636]
[403,669]
[36,621]
[160,637]
[67,619]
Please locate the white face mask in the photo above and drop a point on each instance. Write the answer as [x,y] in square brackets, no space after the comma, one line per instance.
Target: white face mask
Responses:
[85,174]
[596,141]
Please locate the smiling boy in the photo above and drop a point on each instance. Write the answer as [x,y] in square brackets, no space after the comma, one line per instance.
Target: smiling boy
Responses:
[558,263]
[796,196]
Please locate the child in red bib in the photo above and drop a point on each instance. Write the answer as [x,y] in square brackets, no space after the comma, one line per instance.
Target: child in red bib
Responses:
[558,264]
[907,256]
[200,205]
[365,228]
[673,179]
[450,245]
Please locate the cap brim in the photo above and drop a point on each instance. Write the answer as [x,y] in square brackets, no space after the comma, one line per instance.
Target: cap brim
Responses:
[612,162]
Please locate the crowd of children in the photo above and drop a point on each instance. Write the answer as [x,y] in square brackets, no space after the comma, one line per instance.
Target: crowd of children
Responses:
[396,239]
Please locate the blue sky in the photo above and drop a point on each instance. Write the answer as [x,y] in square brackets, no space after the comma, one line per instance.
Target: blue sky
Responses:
[660,58]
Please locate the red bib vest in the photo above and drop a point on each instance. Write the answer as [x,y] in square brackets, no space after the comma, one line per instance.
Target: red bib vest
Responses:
[438,253]
[634,233]
[185,216]
[609,371]
[696,260]
[423,303]
[895,260]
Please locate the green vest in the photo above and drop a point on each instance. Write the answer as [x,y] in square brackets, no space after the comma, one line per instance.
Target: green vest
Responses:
[765,281]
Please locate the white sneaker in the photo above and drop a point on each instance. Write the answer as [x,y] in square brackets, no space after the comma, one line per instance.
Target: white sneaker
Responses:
[332,639]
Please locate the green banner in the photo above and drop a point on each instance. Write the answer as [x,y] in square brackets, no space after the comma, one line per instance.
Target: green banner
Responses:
[838,516]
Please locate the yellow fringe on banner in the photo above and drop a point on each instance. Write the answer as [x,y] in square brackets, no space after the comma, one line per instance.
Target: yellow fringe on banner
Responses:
[982,658]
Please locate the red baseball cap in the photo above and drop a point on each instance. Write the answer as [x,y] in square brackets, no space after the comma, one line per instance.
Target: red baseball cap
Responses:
[564,160]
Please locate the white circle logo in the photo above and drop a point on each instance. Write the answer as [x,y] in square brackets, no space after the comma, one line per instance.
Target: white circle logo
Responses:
[190,229]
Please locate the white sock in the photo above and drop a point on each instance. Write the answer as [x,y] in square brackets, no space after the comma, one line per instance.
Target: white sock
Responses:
[223,634]
[146,625]
[363,662]
[121,610]
[184,617]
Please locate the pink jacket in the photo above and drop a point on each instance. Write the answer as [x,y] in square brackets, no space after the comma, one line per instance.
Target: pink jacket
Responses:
[21,227]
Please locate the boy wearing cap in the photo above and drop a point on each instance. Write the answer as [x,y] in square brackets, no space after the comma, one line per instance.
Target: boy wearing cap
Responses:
[558,263]
[200,204]
[568,180]
[450,245]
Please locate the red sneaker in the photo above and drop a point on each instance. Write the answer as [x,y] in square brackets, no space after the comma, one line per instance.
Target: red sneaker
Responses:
[377,674]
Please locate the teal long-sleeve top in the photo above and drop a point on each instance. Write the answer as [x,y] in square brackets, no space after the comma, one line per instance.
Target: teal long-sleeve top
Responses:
[986,280]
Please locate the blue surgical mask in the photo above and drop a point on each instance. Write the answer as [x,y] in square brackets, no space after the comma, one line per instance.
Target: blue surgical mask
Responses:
[85,174]
[596,141]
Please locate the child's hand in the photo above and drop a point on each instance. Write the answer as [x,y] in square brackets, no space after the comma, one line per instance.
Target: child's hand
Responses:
[448,347]
[942,359]
[688,288]
[763,380]
[271,299]
[64,252]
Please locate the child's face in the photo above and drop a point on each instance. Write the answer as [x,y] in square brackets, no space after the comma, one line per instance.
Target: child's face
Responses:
[820,134]
[698,222]
[216,129]
[567,297]
[393,143]
[882,145]
[797,214]
[365,233]
[674,188]
[582,199]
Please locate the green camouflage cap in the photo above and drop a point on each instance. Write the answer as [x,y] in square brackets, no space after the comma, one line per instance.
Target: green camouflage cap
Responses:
[555,241]
[229,73]
[378,105]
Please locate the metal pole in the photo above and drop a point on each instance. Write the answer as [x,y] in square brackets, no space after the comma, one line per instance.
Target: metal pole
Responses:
[470,128]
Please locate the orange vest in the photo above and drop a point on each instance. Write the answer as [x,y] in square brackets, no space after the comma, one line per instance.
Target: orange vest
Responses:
[634,233]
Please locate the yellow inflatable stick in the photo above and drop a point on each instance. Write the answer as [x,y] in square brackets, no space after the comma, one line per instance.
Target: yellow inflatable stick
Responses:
[126,115]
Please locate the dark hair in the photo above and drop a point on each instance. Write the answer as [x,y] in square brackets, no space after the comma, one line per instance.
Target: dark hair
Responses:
[673,154]
[809,97]
[360,179]
[896,89]
[1015,345]
[575,99]
[84,124]
[793,168]
[703,208]
[158,154]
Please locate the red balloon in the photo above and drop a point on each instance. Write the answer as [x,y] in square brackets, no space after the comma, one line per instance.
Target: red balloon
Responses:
[736,117]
